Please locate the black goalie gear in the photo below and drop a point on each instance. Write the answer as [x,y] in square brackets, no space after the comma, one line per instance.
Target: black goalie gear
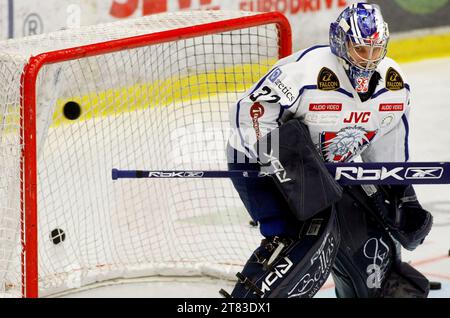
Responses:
[399,210]
[289,156]
[368,263]
[287,267]
[406,282]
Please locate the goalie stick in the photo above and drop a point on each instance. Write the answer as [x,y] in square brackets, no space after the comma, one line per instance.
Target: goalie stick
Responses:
[344,173]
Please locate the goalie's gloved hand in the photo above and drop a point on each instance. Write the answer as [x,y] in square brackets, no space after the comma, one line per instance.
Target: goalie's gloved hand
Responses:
[408,222]
[414,222]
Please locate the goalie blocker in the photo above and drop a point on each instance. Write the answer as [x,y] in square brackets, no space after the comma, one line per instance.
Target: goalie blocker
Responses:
[352,236]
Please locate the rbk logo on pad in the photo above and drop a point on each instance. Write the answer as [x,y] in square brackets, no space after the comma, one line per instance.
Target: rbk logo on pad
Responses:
[394,81]
[327,80]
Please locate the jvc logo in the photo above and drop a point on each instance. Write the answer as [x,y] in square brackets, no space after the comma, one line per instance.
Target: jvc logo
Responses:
[278,168]
[174,174]
[279,271]
[358,117]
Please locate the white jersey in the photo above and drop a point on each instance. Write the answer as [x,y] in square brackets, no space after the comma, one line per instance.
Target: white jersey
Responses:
[313,86]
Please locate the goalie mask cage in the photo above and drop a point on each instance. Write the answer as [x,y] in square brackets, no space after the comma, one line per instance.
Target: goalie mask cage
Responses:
[152,92]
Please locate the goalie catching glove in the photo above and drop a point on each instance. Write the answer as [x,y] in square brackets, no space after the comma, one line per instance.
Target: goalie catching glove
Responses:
[401,212]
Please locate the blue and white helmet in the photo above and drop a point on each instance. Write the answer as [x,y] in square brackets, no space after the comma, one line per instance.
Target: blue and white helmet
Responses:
[360,37]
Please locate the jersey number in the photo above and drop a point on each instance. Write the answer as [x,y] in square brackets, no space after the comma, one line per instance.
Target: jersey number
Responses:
[265,91]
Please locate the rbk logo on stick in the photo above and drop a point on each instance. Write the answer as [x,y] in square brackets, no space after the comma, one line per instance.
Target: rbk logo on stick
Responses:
[399,173]
[176,174]
[424,173]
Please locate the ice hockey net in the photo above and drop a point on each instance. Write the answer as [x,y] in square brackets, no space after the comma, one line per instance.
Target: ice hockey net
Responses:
[147,93]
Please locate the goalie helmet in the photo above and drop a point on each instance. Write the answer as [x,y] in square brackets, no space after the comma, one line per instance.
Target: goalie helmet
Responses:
[359,37]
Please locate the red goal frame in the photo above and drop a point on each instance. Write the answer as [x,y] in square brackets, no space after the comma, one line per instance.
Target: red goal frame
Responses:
[28,162]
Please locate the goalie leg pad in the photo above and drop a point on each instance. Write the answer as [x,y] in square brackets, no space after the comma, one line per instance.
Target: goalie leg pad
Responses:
[368,263]
[366,254]
[287,267]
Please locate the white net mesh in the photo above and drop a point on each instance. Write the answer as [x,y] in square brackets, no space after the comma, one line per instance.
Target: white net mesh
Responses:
[159,106]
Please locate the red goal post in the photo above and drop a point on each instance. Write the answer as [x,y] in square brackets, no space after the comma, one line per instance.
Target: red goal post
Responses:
[29,171]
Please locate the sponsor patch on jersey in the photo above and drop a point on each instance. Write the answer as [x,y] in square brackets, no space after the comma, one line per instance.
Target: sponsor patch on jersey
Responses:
[327,80]
[275,74]
[346,143]
[322,118]
[256,112]
[386,121]
[325,107]
[394,81]
[357,117]
[396,107]
[284,89]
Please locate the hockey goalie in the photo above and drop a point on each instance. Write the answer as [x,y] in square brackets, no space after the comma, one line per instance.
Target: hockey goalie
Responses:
[330,103]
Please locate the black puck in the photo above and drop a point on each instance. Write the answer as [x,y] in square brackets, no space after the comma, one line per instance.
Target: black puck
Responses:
[435,285]
[57,236]
[253,223]
[72,110]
